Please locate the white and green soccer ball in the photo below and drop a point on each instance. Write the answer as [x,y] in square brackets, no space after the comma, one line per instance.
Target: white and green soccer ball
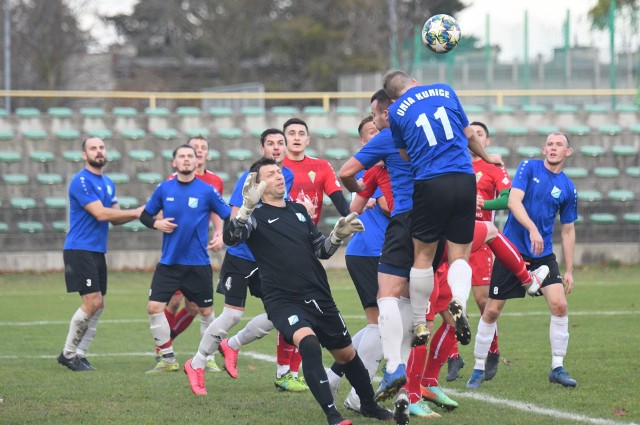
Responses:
[441,33]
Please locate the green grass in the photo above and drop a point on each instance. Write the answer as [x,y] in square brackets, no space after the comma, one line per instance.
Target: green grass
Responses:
[35,311]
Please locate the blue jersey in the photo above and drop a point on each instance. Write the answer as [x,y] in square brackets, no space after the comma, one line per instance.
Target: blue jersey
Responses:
[369,243]
[242,250]
[85,232]
[381,148]
[190,205]
[545,194]
[429,122]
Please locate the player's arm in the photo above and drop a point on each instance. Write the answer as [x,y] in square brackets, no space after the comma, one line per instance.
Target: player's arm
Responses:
[501,202]
[348,173]
[476,147]
[165,225]
[324,246]
[114,214]
[358,203]
[240,227]
[520,213]
[568,236]
[340,202]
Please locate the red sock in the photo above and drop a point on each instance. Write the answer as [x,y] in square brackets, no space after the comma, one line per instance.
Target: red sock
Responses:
[295,360]
[284,351]
[183,320]
[494,344]
[510,257]
[171,318]
[439,350]
[454,351]
[415,369]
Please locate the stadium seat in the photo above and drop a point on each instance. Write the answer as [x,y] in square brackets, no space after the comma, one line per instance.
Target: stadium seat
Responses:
[92,112]
[565,109]
[125,118]
[545,130]
[592,150]
[188,111]
[156,112]
[529,151]
[603,218]
[230,133]
[59,226]
[72,156]
[30,227]
[166,133]
[124,112]
[48,178]
[10,156]
[353,132]
[101,133]
[325,132]
[21,203]
[626,114]
[167,154]
[34,134]
[6,134]
[576,172]
[620,195]
[127,202]
[4,227]
[150,178]
[133,226]
[68,134]
[60,112]
[578,130]
[113,155]
[199,131]
[631,218]
[503,109]
[285,111]
[624,150]
[27,113]
[633,171]
[347,118]
[214,155]
[336,153]
[55,202]
[597,114]
[239,154]
[157,118]
[15,179]
[119,178]
[606,172]
[141,155]
[330,221]
[252,111]
[516,131]
[589,195]
[533,109]
[314,110]
[133,133]
[42,156]
[311,152]
[224,176]
[609,130]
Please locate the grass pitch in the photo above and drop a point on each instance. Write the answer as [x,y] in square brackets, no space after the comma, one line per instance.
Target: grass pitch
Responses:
[34,316]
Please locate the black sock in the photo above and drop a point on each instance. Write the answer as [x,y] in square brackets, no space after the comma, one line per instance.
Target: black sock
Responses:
[338,369]
[315,375]
[358,377]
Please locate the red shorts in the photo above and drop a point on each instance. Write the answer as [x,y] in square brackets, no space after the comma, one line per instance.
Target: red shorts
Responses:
[479,235]
[481,262]
[441,295]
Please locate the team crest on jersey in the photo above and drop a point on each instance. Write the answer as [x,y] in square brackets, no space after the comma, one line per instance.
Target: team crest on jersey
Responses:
[555,192]
[478,176]
[312,176]
[109,190]
[293,320]
[193,202]
[301,217]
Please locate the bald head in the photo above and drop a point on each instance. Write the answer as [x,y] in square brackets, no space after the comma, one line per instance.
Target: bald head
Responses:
[395,83]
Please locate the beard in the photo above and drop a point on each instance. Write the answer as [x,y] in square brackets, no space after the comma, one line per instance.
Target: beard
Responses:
[98,162]
[186,171]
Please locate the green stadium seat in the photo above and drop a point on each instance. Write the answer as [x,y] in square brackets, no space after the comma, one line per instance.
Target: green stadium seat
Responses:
[511,171]
[576,172]
[10,156]
[48,178]
[124,112]
[565,109]
[596,108]
[213,155]
[256,132]
[15,179]
[166,133]
[252,111]
[533,109]
[592,150]
[633,171]
[545,130]
[352,132]
[141,155]
[127,202]
[603,218]
[631,218]
[606,172]
[336,153]
[167,154]
[503,109]
[230,133]
[59,226]
[224,176]
[113,155]
[34,134]
[188,111]
[610,130]
[72,156]
[314,110]
[239,154]
[3,113]
[68,134]
[156,112]
[200,131]
[101,133]
[626,108]
[119,178]
[133,133]
[624,150]
[150,178]
[42,156]
[288,111]
[133,226]
[578,130]
[529,151]
[22,203]
[55,202]
[4,227]
[220,111]
[27,113]
[474,109]
[311,152]
[331,220]
[589,195]
[325,132]
[6,134]
[634,129]
[352,111]
[60,112]
[92,112]
[30,227]
[620,195]
[516,131]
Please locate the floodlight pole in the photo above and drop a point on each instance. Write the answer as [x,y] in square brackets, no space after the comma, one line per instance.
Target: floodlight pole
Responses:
[7,54]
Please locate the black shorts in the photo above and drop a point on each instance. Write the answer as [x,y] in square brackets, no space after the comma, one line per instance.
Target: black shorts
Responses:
[444,205]
[397,250]
[321,316]
[195,282]
[505,285]
[364,274]
[85,272]
[236,275]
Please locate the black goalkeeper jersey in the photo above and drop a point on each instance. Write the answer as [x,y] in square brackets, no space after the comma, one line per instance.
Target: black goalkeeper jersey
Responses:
[286,245]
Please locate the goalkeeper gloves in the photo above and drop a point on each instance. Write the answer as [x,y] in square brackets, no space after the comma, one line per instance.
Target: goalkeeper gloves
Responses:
[251,194]
[345,227]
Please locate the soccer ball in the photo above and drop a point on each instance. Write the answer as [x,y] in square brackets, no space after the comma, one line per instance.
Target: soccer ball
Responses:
[441,33]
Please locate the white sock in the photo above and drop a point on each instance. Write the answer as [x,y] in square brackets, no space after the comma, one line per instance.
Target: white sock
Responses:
[161,331]
[257,327]
[406,313]
[484,337]
[282,369]
[559,337]
[420,289]
[214,334]
[334,379]
[357,338]
[77,328]
[205,321]
[87,339]
[370,348]
[459,277]
[390,325]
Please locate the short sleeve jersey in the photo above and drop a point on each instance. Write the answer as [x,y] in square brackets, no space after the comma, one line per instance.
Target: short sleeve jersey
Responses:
[210,178]
[369,243]
[190,205]
[313,177]
[382,148]
[242,250]
[376,179]
[429,122]
[545,195]
[490,181]
[85,231]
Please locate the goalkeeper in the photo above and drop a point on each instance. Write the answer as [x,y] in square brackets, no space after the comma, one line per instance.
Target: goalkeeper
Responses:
[296,295]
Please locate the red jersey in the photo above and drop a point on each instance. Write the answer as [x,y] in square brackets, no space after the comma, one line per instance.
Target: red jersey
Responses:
[490,181]
[208,177]
[312,178]
[374,177]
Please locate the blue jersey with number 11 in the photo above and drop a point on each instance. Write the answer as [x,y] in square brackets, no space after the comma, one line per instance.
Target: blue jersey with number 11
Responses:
[429,122]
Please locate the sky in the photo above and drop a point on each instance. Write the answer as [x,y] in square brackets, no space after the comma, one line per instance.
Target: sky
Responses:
[506,24]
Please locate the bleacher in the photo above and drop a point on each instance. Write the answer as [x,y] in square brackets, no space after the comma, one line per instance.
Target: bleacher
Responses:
[40,151]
